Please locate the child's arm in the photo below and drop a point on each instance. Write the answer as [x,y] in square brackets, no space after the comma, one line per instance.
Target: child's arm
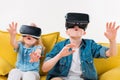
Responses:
[12,31]
[35,56]
[111,33]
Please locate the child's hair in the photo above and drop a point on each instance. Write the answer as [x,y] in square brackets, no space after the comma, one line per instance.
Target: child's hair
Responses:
[39,42]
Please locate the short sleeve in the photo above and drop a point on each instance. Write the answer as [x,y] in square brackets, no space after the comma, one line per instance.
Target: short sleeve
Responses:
[17,49]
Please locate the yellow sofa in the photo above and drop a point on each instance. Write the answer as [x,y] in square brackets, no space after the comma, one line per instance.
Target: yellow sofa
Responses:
[108,69]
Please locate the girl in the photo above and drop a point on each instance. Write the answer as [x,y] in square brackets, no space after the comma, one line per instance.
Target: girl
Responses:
[29,50]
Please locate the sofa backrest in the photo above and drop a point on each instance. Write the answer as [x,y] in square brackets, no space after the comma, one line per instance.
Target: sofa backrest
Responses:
[6,50]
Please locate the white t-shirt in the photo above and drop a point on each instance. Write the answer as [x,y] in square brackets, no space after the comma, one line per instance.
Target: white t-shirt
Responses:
[75,69]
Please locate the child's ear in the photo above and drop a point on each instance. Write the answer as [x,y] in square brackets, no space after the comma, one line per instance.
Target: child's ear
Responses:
[83,32]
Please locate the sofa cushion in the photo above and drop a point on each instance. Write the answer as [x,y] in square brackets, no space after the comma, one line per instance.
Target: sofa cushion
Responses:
[113,74]
[3,77]
[5,67]
[6,50]
[48,41]
[43,77]
[60,39]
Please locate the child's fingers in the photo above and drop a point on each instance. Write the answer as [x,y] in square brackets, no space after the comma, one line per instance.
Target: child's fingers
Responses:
[34,57]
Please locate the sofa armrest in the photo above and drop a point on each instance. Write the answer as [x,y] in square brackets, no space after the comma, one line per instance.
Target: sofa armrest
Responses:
[113,74]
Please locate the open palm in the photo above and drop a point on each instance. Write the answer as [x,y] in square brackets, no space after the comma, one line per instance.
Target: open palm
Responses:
[12,28]
[111,31]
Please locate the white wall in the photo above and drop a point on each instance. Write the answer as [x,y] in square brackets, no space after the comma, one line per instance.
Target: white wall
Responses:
[49,14]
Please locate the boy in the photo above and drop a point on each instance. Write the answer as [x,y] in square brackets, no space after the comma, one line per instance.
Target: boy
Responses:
[72,59]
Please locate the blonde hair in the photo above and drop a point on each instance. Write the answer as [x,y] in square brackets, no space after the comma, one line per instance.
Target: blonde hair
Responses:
[39,42]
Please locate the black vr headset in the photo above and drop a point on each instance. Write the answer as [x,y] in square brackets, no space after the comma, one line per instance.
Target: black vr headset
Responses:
[30,30]
[76,19]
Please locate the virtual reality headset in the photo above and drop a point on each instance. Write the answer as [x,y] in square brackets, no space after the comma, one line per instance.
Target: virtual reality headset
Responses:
[30,30]
[76,19]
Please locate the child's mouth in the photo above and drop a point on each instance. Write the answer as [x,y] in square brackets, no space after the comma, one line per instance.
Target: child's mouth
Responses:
[76,29]
[29,38]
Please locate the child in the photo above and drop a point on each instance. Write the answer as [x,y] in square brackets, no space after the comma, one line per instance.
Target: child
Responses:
[72,59]
[29,50]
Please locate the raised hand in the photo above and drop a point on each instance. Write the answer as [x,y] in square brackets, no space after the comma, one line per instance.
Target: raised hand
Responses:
[67,50]
[34,57]
[12,29]
[111,31]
